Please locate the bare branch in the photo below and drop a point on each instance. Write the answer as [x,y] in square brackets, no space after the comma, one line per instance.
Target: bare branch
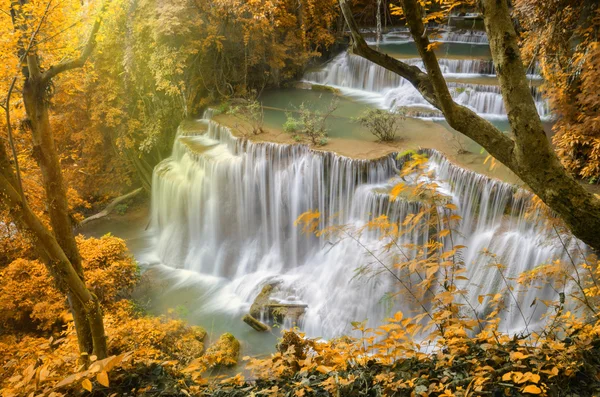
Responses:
[78,62]
[6,105]
[411,73]
[110,207]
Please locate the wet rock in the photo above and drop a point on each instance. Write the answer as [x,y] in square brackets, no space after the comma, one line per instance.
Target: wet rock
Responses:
[279,311]
[326,88]
[265,306]
[262,300]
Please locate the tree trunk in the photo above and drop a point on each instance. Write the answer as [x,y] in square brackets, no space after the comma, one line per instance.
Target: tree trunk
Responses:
[529,155]
[84,304]
[44,152]
[536,163]
[59,247]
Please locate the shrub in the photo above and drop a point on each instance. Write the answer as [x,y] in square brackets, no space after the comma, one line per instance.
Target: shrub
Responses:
[384,125]
[309,123]
[252,116]
[158,338]
[121,209]
[30,301]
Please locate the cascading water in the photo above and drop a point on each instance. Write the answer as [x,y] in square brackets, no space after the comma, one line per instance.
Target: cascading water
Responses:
[224,209]
[358,77]
[402,35]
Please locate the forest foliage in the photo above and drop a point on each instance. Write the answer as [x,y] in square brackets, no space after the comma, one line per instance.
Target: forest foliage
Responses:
[156,63]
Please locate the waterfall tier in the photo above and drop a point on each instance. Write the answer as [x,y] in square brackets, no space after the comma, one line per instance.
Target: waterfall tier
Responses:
[225,207]
[402,35]
[359,77]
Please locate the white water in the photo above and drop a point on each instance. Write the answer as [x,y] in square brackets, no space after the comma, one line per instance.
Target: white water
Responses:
[225,213]
[402,35]
[358,77]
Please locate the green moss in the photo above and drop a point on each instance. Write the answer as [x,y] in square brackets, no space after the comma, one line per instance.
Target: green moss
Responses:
[261,300]
[225,352]
[325,88]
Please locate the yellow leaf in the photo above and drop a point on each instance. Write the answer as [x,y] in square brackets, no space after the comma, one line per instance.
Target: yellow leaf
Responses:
[480,298]
[432,271]
[396,190]
[86,384]
[102,378]
[518,356]
[532,389]
[398,316]
[323,369]
[535,378]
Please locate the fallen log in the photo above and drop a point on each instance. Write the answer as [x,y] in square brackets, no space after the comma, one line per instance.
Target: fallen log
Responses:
[254,323]
[110,207]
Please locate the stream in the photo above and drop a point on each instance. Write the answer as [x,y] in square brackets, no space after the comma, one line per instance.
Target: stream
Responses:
[221,222]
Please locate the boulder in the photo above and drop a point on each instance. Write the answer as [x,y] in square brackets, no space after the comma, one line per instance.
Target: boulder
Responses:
[262,299]
[225,352]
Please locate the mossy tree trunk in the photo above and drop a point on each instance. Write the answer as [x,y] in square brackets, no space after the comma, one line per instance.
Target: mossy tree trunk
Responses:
[58,248]
[529,155]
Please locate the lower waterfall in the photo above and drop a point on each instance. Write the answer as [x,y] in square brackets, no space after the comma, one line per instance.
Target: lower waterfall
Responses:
[224,208]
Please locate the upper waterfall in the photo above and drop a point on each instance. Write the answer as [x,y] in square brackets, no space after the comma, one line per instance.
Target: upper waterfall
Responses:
[402,35]
[359,77]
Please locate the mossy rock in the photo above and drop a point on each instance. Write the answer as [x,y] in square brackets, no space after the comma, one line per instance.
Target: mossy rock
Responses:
[225,352]
[325,88]
[262,300]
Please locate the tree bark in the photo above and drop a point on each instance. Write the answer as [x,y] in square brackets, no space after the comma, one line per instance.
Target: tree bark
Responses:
[529,155]
[536,163]
[86,305]
[36,100]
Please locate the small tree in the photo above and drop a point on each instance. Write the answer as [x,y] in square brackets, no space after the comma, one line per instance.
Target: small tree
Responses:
[384,125]
[251,113]
[309,123]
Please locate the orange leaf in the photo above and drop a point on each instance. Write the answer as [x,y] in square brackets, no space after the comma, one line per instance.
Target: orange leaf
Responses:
[102,378]
[86,384]
[532,389]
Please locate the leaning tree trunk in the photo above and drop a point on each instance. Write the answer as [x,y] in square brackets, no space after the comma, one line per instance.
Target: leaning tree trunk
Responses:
[63,263]
[530,155]
[66,278]
[44,152]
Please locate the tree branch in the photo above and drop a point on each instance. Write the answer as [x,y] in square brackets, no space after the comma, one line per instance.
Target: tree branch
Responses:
[520,105]
[411,73]
[110,207]
[11,141]
[78,62]
[530,156]
[432,84]
[67,279]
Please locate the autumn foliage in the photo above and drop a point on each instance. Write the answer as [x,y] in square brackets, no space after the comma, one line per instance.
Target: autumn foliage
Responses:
[38,344]
[562,37]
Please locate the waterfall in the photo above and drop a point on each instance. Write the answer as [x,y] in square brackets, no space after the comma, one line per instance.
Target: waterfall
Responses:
[359,77]
[469,37]
[460,37]
[224,208]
